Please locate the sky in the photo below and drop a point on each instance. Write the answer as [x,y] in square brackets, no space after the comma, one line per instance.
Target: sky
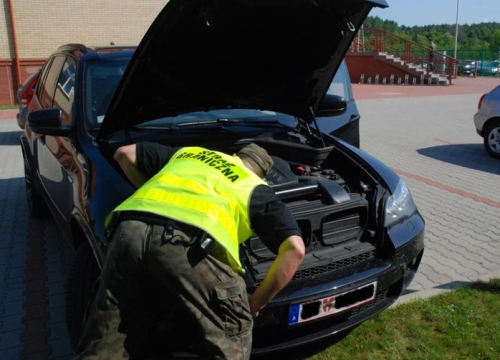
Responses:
[437,12]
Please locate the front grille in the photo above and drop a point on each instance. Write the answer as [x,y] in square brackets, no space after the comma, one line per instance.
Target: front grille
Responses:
[381,296]
[333,267]
[327,269]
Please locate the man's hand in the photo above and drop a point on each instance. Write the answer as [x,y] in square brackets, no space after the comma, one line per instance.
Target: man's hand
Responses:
[127,158]
[290,256]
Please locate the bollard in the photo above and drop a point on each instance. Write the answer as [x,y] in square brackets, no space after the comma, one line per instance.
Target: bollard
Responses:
[384,80]
[422,79]
[399,80]
[392,79]
[369,80]
[362,79]
[376,79]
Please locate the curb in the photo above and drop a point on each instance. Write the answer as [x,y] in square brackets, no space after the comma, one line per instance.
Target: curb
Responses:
[441,289]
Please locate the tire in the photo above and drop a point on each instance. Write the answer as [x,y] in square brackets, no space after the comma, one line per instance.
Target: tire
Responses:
[492,139]
[80,283]
[37,206]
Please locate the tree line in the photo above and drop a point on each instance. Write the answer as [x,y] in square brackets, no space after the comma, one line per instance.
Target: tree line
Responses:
[483,36]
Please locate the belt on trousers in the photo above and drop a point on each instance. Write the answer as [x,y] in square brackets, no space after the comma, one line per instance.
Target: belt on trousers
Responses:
[198,236]
[154,219]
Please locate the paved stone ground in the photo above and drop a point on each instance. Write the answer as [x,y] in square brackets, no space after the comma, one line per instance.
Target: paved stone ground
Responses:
[33,263]
[429,140]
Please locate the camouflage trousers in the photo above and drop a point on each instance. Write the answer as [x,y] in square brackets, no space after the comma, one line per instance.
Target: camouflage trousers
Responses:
[141,270]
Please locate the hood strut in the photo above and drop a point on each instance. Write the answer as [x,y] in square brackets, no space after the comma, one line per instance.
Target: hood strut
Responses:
[317,127]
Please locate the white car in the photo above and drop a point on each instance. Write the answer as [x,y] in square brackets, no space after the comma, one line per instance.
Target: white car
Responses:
[487,121]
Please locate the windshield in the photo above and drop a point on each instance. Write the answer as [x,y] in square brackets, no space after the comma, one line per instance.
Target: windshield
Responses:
[101,80]
[222,116]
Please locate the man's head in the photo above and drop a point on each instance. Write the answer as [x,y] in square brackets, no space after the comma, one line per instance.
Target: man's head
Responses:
[256,158]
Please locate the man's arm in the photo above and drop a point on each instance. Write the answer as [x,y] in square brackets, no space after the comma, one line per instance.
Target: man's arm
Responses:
[290,255]
[127,158]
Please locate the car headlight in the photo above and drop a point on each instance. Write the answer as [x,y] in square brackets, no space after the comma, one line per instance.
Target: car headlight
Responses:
[399,205]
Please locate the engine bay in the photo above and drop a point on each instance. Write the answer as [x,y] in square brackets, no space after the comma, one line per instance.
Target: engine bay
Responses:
[332,197]
[331,204]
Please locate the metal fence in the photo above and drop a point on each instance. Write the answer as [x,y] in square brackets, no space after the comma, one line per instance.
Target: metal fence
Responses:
[478,62]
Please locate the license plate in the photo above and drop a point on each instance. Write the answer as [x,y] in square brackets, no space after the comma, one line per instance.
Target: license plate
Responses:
[315,309]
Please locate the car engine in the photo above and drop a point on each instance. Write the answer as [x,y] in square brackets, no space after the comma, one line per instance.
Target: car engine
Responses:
[332,212]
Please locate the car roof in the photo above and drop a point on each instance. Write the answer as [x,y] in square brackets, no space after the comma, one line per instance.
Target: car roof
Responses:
[77,50]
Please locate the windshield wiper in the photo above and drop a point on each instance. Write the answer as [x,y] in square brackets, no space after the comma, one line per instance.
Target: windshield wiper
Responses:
[197,123]
[229,121]
[151,127]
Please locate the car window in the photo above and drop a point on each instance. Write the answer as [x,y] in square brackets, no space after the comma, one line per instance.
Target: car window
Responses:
[340,83]
[63,97]
[101,80]
[41,79]
[48,86]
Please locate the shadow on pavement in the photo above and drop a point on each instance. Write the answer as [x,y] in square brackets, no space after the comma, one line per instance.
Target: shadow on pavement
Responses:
[305,351]
[10,138]
[471,156]
[493,286]
[454,285]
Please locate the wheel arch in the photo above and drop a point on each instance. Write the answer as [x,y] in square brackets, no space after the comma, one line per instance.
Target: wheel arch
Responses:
[25,149]
[80,234]
[81,285]
[488,123]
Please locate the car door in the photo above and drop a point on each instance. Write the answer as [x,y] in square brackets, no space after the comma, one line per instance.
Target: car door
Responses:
[56,154]
[346,124]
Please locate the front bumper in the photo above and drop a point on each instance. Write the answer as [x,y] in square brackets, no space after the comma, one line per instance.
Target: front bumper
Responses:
[271,329]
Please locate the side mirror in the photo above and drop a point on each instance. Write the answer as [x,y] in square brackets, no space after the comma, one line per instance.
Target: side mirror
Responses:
[331,105]
[48,122]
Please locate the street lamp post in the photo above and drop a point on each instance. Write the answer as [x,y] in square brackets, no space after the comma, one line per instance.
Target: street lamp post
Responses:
[456,31]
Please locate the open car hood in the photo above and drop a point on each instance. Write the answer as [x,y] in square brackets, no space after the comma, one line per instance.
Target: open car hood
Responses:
[277,55]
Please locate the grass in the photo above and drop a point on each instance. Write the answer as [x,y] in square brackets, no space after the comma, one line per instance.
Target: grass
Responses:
[461,324]
[8,107]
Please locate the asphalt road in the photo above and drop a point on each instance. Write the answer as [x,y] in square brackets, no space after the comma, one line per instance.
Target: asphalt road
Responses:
[430,141]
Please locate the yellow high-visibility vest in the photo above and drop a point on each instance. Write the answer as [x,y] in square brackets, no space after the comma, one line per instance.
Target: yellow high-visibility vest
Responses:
[207,189]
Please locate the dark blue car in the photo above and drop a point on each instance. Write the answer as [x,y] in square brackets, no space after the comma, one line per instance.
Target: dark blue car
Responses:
[222,75]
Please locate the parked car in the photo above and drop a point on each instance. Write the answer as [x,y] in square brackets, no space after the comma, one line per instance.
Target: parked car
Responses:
[220,75]
[467,67]
[64,170]
[24,95]
[487,121]
[487,68]
[490,68]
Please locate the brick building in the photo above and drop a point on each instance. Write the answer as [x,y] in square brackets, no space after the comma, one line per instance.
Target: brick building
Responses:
[33,29]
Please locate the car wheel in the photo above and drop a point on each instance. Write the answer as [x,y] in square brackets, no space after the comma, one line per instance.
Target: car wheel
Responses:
[36,204]
[80,283]
[492,139]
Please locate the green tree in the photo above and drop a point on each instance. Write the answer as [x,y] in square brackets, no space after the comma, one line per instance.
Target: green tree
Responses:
[495,41]
[475,41]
